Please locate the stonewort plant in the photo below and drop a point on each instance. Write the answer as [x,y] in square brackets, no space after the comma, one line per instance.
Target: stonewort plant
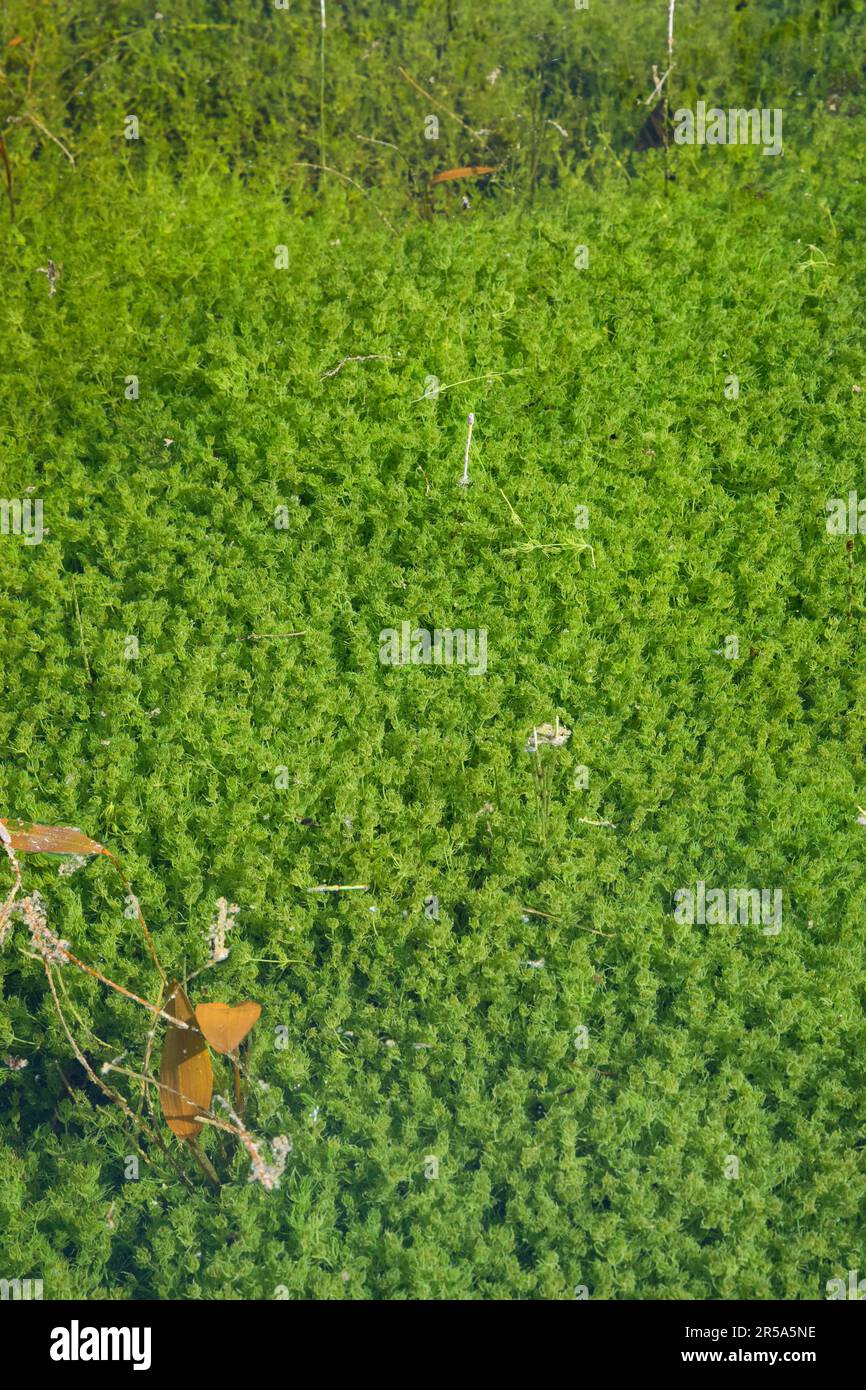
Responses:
[283,289]
[545,101]
[545,736]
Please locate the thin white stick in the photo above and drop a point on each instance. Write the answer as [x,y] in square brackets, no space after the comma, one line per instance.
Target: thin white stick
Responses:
[659,83]
[45,131]
[322,87]
[667,97]
[338,888]
[465,480]
[490,376]
[371,357]
[328,169]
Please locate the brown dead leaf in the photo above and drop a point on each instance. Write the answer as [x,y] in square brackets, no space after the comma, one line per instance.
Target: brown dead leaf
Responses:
[224,1025]
[185,1073]
[27,838]
[468,171]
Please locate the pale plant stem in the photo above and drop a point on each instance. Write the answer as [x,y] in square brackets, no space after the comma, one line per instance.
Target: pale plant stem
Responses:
[120,989]
[305,164]
[4,913]
[203,1161]
[140,1124]
[81,1058]
[338,888]
[670,53]
[139,914]
[434,102]
[550,548]
[370,357]
[81,632]
[145,1093]
[667,96]
[34,120]
[464,481]
[489,376]
[236,1073]
[86,1028]
[247,1141]
[14,890]
[271,636]
[204,1117]
[322,88]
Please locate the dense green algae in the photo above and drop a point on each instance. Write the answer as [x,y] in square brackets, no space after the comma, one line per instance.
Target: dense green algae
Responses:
[245,488]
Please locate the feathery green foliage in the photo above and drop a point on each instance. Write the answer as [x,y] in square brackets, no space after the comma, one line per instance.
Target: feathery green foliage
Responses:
[410,1036]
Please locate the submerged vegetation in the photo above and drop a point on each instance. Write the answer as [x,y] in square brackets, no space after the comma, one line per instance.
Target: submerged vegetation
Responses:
[259,273]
